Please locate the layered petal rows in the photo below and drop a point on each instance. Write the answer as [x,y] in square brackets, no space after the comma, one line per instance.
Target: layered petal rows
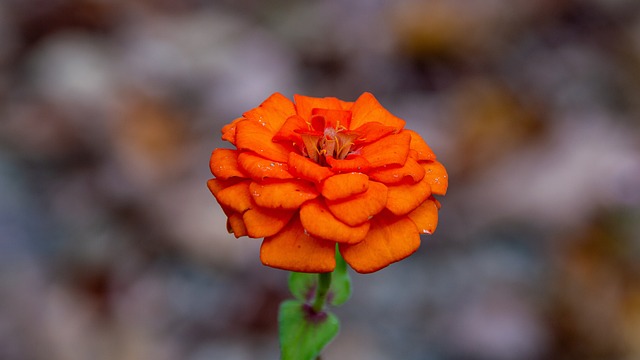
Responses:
[310,174]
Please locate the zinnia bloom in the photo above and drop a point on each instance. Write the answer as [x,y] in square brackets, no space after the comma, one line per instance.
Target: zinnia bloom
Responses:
[308,174]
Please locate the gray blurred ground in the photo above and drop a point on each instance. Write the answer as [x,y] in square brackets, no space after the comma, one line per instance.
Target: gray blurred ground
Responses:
[111,246]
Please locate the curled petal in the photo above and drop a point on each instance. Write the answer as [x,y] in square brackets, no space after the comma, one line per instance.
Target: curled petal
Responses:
[403,198]
[224,164]
[290,129]
[305,104]
[418,144]
[436,176]
[425,216]
[288,194]
[389,239]
[319,222]
[335,118]
[261,222]
[215,185]
[372,131]
[259,168]
[344,185]
[357,209]
[394,174]
[349,164]
[368,109]
[235,197]
[307,169]
[235,225]
[251,135]
[390,150]
[229,131]
[294,250]
[273,112]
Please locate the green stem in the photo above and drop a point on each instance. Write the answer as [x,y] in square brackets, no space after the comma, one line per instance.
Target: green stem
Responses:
[324,282]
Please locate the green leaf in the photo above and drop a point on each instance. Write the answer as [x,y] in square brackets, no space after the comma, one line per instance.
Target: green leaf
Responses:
[303,332]
[303,285]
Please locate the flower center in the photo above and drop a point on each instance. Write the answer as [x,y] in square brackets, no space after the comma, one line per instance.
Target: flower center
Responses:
[328,135]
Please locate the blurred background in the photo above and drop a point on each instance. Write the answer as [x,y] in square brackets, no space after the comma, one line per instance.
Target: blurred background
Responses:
[111,246]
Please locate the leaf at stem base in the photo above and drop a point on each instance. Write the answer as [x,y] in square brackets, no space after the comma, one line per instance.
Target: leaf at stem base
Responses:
[303,332]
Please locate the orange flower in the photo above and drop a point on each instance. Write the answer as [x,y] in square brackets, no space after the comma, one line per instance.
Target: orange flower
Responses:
[308,174]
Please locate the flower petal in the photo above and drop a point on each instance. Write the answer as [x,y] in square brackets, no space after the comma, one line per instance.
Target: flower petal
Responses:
[235,197]
[224,164]
[403,198]
[425,217]
[251,135]
[307,169]
[437,177]
[390,239]
[357,209]
[305,104]
[344,185]
[235,225]
[394,174]
[294,250]
[288,194]
[319,222]
[372,131]
[368,109]
[273,112]
[335,118]
[261,222]
[349,164]
[392,149]
[259,168]
[420,146]
[229,131]
[290,129]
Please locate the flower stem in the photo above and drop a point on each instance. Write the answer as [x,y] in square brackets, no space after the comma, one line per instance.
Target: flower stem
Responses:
[324,282]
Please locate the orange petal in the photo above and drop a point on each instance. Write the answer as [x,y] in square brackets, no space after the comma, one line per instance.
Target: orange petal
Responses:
[403,198]
[261,222]
[259,168]
[345,105]
[235,225]
[224,164]
[436,176]
[229,131]
[425,217]
[348,164]
[307,169]
[215,185]
[273,112]
[390,239]
[319,222]
[344,185]
[288,130]
[305,104]
[368,109]
[335,118]
[372,131]
[235,197]
[394,174]
[391,149]
[250,135]
[420,146]
[294,250]
[357,209]
[289,194]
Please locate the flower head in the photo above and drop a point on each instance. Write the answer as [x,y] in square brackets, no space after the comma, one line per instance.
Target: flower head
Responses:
[308,174]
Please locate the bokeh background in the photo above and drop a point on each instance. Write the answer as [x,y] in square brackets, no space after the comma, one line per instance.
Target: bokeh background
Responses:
[111,246]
